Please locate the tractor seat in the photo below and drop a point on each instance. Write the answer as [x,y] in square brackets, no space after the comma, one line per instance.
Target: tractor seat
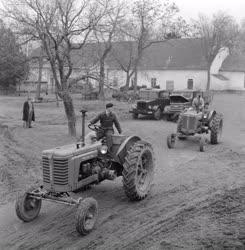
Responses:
[118,139]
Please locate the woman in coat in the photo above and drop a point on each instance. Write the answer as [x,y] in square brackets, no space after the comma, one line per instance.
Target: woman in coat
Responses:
[25,116]
[28,113]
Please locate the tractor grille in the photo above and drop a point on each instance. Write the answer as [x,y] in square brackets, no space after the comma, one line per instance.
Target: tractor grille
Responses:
[46,170]
[141,105]
[189,122]
[59,173]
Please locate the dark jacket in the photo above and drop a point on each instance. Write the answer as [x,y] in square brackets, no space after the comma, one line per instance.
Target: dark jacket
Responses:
[26,109]
[107,122]
[32,113]
[26,112]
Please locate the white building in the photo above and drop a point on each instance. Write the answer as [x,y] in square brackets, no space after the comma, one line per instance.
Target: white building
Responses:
[180,64]
[174,64]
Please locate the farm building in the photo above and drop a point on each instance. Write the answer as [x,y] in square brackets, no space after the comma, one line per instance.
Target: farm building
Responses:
[174,65]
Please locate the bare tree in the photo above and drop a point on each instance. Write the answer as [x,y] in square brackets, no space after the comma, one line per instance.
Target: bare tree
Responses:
[150,22]
[219,32]
[62,26]
[106,33]
[40,72]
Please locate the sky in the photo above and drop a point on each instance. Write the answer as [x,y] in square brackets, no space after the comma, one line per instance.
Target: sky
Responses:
[191,8]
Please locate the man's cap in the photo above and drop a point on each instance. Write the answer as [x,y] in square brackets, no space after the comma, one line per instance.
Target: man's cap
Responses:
[109,105]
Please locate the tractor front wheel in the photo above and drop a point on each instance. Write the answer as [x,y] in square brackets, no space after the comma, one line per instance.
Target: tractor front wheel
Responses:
[86,216]
[171,140]
[27,207]
[138,170]
[202,144]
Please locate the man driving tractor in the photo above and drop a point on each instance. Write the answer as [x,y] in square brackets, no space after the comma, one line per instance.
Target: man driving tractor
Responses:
[198,103]
[107,119]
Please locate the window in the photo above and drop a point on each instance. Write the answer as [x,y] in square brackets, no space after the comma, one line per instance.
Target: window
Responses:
[153,82]
[170,85]
[190,84]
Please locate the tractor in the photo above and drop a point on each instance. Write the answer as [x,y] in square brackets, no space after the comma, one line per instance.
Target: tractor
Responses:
[191,122]
[73,168]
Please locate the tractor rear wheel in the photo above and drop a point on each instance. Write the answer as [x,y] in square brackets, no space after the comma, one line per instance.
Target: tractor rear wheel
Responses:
[86,215]
[216,129]
[138,170]
[27,208]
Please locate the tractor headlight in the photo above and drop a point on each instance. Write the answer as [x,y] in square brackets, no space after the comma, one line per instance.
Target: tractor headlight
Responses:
[155,107]
[103,149]
[134,106]
[167,108]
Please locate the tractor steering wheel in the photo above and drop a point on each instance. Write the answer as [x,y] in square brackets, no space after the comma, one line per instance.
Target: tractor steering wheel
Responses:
[94,127]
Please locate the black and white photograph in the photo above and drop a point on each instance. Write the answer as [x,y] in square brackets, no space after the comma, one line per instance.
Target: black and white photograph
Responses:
[122,124]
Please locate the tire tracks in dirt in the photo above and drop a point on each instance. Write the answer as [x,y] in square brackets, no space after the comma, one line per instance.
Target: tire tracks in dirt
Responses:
[12,157]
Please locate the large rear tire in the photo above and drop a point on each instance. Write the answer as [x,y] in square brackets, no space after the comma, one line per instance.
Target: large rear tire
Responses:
[138,170]
[216,129]
[27,208]
[86,216]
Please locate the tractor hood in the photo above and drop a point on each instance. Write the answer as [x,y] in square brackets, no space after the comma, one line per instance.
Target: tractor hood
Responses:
[71,150]
[145,101]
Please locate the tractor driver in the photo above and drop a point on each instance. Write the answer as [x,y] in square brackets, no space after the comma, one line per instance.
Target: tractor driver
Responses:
[107,119]
[198,103]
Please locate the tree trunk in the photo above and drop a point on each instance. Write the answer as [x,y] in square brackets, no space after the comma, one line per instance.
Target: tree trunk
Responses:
[135,80]
[102,80]
[40,71]
[208,77]
[70,114]
[127,82]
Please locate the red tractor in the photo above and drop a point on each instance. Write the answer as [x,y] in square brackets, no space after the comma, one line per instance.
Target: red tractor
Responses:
[70,168]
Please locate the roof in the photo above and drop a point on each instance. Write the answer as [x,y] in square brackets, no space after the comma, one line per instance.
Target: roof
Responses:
[234,62]
[174,54]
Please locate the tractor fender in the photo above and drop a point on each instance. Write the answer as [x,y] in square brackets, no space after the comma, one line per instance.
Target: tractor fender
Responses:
[212,113]
[125,146]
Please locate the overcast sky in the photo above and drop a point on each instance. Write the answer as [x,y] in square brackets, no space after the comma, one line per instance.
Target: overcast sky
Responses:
[191,8]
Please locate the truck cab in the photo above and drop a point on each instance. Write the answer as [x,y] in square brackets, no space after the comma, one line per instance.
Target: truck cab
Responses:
[152,103]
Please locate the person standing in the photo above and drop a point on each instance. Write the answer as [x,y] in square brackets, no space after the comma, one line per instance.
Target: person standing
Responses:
[25,117]
[31,116]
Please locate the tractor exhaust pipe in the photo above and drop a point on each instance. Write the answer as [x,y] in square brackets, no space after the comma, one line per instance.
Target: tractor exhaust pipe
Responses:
[83,111]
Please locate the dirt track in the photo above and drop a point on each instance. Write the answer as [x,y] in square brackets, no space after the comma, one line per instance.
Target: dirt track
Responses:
[197,200]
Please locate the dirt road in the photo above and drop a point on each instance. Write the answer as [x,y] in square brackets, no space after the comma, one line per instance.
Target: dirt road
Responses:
[197,200]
